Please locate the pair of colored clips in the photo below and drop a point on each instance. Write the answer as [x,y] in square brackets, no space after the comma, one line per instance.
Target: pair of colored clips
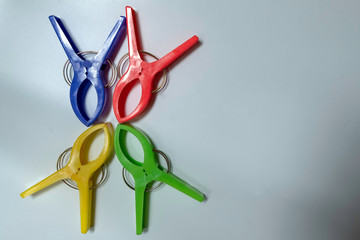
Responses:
[87,72]
[148,171]
[82,171]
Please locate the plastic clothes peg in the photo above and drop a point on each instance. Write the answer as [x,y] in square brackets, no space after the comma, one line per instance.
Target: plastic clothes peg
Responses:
[87,72]
[141,70]
[81,172]
[146,172]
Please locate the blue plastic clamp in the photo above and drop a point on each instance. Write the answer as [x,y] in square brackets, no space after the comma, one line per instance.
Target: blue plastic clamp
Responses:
[87,71]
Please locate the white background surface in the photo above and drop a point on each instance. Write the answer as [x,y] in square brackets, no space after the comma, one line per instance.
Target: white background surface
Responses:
[263,117]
